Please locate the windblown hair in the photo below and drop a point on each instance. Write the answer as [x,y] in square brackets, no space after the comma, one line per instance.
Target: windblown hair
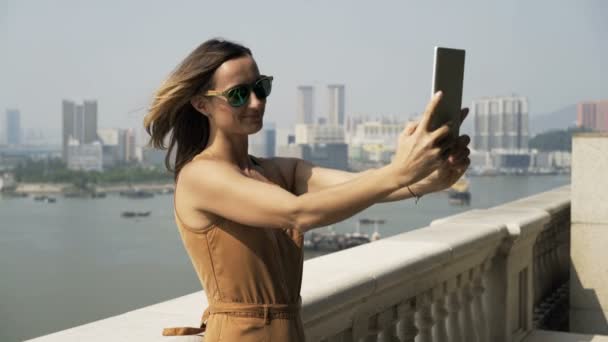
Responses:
[172,114]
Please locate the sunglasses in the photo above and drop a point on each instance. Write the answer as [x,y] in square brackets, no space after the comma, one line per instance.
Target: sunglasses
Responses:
[238,96]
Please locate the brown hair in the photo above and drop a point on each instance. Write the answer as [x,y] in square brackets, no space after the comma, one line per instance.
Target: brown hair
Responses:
[171,111]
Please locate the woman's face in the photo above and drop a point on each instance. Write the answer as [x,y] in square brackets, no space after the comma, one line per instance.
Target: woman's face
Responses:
[246,119]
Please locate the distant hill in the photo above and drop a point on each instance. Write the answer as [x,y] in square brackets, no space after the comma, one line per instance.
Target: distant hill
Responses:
[555,140]
[560,119]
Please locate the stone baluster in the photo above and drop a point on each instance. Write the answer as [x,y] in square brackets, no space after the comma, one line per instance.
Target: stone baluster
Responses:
[440,313]
[406,329]
[466,314]
[564,260]
[344,336]
[479,312]
[562,252]
[537,273]
[424,318]
[552,256]
[453,307]
[541,270]
[371,334]
[386,323]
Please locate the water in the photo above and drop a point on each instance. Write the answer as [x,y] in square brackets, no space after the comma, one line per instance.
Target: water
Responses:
[76,261]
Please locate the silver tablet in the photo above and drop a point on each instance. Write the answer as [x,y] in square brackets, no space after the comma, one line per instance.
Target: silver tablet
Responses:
[448,72]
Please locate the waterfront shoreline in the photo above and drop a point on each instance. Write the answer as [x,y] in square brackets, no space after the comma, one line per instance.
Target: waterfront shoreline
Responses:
[61,188]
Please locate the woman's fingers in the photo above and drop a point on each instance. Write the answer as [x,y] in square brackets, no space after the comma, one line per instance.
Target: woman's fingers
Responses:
[460,149]
[429,112]
[410,128]
[459,156]
[463,114]
[463,140]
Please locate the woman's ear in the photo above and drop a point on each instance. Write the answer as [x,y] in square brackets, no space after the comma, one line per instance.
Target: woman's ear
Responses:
[200,104]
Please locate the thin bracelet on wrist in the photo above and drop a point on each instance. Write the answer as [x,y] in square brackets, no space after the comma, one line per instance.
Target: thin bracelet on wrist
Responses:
[414,194]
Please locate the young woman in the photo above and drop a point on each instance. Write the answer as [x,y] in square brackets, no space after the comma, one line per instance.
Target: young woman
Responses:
[242,218]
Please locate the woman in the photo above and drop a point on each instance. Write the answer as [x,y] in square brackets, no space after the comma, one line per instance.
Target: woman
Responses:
[242,218]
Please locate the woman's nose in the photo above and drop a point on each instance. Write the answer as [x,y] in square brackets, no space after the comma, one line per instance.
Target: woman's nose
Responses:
[254,101]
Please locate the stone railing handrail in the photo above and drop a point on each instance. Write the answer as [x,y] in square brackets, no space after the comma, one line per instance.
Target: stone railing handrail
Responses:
[478,276]
[442,279]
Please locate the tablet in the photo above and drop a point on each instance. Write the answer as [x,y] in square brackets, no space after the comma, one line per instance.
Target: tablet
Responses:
[448,72]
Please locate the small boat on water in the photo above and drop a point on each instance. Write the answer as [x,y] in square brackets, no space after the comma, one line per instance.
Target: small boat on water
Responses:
[130,214]
[332,241]
[45,198]
[98,194]
[165,191]
[136,193]
[459,193]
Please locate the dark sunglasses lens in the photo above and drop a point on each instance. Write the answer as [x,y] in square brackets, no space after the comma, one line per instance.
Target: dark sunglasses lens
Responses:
[262,88]
[238,96]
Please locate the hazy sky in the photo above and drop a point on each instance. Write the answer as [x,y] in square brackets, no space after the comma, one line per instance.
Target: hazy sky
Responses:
[118,52]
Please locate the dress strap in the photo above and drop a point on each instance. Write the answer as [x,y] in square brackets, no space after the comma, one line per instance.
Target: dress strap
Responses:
[184,331]
[266,311]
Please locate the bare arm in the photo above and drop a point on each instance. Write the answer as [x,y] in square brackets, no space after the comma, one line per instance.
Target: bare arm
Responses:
[311,178]
[222,189]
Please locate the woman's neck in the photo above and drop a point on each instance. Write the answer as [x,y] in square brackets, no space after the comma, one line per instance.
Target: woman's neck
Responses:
[230,149]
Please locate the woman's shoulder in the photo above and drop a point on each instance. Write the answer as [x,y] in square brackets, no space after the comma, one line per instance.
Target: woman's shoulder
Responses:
[207,163]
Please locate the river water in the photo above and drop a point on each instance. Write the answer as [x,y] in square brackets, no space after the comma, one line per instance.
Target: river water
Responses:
[75,261]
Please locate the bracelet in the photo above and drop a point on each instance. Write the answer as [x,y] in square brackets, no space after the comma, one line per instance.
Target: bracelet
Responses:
[413,194]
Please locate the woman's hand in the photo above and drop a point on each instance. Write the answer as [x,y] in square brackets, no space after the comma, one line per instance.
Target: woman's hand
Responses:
[455,163]
[420,151]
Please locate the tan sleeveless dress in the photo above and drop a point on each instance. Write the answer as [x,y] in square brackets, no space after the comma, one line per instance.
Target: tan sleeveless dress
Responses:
[252,278]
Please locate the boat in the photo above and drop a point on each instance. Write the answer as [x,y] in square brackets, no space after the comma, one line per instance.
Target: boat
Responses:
[130,214]
[165,191]
[127,214]
[98,194]
[136,193]
[331,241]
[40,198]
[459,193]
[51,200]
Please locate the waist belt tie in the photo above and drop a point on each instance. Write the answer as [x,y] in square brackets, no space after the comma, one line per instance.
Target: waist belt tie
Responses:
[266,311]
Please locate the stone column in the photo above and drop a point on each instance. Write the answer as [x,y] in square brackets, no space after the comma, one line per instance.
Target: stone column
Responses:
[589,234]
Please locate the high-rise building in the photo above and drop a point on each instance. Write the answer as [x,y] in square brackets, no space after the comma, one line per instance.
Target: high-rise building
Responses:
[319,134]
[130,145]
[68,126]
[593,115]
[13,127]
[336,104]
[263,143]
[119,145]
[333,156]
[85,157]
[90,121]
[79,123]
[377,132]
[112,146]
[305,105]
[501,123]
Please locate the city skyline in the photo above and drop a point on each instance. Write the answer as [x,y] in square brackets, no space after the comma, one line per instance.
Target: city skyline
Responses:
[386,66]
